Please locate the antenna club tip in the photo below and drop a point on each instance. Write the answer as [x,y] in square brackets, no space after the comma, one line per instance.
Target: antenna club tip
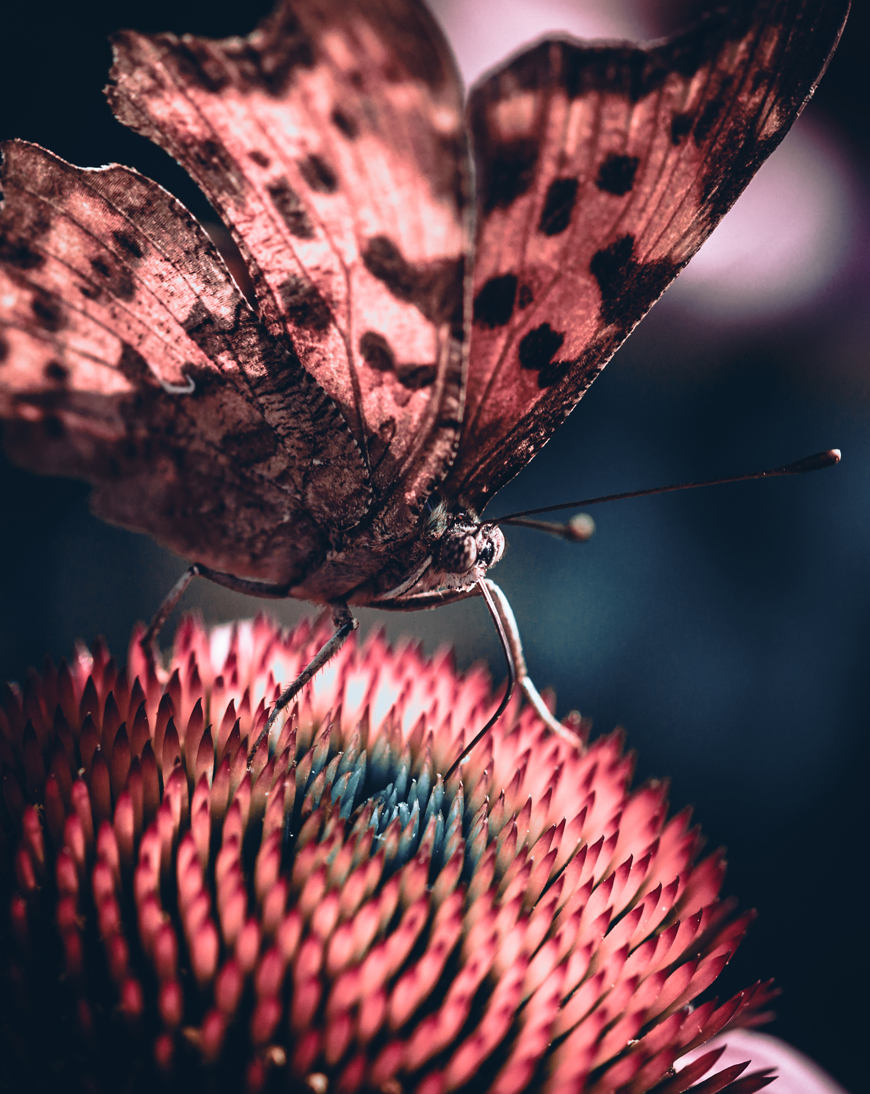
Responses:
[815,462]
[580,528]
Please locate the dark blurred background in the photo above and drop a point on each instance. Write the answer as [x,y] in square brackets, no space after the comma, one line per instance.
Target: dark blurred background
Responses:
[725,629]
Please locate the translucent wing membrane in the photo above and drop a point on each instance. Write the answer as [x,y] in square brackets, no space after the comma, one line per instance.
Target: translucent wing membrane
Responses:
[332,142]
[130,358]
[601,169]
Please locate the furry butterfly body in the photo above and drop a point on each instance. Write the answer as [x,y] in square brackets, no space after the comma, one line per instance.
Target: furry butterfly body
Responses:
[434,286]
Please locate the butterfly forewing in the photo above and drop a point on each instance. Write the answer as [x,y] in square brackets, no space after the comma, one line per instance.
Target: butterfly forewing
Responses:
[131,359]
[332,142]
[601,169]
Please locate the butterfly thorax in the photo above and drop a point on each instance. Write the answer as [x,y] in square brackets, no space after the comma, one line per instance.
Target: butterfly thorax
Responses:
[447,551]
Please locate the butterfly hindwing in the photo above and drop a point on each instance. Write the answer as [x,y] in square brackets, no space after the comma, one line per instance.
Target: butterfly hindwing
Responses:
[601,169]
[331,141]
[130,358]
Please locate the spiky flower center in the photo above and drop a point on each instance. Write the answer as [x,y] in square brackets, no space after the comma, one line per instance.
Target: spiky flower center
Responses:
[332,914]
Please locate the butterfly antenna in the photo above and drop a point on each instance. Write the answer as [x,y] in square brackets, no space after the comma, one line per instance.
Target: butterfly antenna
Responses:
[511,681]
[799,467]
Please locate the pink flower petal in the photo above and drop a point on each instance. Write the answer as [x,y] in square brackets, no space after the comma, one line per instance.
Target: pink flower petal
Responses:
[796,1073]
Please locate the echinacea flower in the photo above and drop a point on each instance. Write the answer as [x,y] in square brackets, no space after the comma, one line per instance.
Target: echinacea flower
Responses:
[333,916]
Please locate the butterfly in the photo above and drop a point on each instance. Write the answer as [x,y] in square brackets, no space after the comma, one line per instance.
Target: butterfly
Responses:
[427,286]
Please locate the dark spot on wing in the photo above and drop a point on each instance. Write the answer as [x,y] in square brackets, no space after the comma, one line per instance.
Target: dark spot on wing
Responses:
[558,206]
[508,174]
[290,209]
[249,447]
[681,125]
[704,124]
[282,46]
[538,348]
[616,174]
[212,333]
[90,292]
[415,377]
[610,267]
[303,304]
[123,286]
[633,73]
[555,372]
[56,372]
[628,287]
[384,260]
[199,64]
[18,253]
[377,352]
[4,349]
[48,313]
[318,174]
[127,244]
[118,281]
[133,366]
[199,321]
[259,158]
[525,297]
[345,124]
[494,304]
[101,267]
[435,288]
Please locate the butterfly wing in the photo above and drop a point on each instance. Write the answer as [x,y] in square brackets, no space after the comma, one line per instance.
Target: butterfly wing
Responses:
[332,142]
[601,170]
[129,357]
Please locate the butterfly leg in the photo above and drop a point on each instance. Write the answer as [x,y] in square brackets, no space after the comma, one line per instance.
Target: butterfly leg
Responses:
[509,636]
[344,624]
[167,608]
[515,646]
[484,591]
[236,584]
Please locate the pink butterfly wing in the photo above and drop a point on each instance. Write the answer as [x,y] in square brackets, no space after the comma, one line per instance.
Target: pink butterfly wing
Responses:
[332,142]
[130,358]
[601,170]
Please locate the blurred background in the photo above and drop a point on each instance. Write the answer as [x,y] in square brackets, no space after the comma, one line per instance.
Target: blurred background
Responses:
[725,629]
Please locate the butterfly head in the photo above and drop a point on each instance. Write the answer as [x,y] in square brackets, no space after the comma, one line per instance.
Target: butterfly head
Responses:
[467,549]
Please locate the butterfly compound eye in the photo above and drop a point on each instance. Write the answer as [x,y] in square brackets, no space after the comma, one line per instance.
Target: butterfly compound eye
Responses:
[458,553]
[486,553]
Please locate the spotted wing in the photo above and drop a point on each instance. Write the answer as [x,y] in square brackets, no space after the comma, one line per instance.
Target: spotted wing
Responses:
[601,170]
[332,142]
[129,357]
